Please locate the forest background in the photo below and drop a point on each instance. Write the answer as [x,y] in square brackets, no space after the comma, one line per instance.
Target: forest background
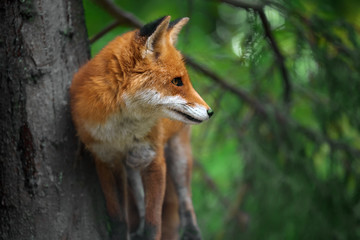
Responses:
[281,157]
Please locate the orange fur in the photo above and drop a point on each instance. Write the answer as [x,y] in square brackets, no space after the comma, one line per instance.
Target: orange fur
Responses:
[102,94]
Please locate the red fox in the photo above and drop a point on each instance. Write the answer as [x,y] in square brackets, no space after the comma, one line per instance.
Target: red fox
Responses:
[132,105]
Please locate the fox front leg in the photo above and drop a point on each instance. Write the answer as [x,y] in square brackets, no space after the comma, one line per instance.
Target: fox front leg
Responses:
[136,184]
[138,158]
[179,163]
[154,180]
[113,183]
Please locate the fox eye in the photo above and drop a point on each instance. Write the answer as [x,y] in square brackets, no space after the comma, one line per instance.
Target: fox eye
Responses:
[177,81]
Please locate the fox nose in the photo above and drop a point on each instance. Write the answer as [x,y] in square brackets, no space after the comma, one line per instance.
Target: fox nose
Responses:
[210,112]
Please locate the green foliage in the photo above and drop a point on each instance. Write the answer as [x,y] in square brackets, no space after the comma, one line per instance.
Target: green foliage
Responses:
[297,179]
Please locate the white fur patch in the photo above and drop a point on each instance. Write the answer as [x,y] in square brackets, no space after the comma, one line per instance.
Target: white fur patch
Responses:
[140,155]
[135,120]
[152,98]
[120,133]
[179,112]
[173,107]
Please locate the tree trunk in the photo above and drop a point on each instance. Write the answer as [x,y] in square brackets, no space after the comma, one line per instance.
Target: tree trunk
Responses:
[46,191]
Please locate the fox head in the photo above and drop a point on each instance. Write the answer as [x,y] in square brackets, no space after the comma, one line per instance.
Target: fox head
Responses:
[158,79]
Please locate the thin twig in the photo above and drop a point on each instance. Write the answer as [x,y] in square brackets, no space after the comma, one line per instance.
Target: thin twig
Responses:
[279,56]
[245,5]
[121,15]
[241,216]
[256,105]
[107,29]
[332,143]
[211,183]
[259,9]
[233,209]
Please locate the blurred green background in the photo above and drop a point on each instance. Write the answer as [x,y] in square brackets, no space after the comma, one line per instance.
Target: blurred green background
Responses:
[288,165]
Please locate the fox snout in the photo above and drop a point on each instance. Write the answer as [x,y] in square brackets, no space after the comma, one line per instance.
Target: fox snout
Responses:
[210,112]
[188,113]
[191,109]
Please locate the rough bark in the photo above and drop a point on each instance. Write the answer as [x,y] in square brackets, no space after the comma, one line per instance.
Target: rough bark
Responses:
[45,191]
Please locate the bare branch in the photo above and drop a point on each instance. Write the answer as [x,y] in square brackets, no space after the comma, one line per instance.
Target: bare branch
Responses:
[107,29]
[256,105]
[244,4]
[211,183]
[122,18]
[237,214]
[259,9]
[125,18]
[332,143]
[279,56]
[233,209]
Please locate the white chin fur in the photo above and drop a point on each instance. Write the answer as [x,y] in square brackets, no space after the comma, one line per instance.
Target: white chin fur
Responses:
[171,114]
[173,107]
[177,108]
[187,114]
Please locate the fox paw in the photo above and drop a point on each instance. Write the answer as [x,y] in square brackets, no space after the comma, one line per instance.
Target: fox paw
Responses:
[191,232]
[136,236]
[140,156]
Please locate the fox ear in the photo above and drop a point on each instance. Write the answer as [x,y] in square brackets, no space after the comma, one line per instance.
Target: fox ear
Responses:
[155,31]
[175,28]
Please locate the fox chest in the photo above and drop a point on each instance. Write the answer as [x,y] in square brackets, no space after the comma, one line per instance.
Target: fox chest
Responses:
[119,135]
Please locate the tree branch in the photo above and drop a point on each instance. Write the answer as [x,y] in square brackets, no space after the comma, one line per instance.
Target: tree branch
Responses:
[237,214]
[259,9]
[125,18]
[279,56]
[256,105]
[107,29]
[211,183]
[332,143]
[245,5]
